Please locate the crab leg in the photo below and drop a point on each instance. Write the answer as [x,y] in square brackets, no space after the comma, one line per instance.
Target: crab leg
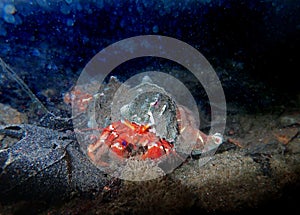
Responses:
[101,148]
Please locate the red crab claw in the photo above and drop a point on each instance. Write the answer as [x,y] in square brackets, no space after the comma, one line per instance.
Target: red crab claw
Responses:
[156,150]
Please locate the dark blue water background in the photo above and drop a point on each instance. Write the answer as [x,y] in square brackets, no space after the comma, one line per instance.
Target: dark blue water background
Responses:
[252,45]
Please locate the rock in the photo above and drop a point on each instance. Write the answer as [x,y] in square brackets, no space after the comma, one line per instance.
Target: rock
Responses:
[289,119]
[294,146]
[9,115]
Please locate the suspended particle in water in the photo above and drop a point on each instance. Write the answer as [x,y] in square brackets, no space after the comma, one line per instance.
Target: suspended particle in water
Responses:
[155,29]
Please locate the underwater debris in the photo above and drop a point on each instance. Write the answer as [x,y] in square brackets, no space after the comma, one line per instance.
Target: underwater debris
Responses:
[11,74]
[285,135]
[46,117]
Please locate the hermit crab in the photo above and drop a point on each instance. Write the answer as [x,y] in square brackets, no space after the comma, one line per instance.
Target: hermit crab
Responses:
[143,122]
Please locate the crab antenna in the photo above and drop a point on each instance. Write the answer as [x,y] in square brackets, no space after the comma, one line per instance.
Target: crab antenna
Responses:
[128,124]
[145,127]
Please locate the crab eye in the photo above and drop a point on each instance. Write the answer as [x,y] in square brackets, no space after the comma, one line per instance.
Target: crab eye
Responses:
[124,143]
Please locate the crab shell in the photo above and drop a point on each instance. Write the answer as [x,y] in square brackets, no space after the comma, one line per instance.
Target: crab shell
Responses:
[147,103]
